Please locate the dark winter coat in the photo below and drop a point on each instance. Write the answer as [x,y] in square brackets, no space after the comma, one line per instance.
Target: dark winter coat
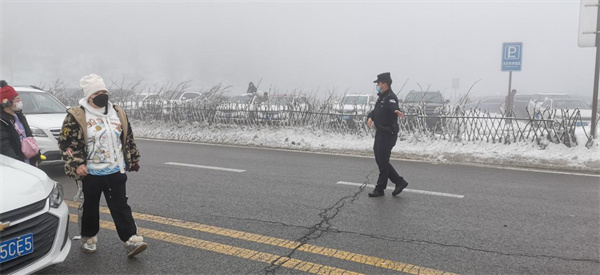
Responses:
[10,138]
[383,115]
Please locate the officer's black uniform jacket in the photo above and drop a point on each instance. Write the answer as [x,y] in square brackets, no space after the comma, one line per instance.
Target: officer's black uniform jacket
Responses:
[383,115]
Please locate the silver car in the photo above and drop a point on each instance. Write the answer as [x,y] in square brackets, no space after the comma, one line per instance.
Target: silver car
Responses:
[45,115]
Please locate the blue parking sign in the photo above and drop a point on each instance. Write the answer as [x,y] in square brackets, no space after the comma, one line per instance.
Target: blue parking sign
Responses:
[512,56]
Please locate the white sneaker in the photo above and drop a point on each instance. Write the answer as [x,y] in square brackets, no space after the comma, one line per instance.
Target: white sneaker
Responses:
[88,244]
[135,245]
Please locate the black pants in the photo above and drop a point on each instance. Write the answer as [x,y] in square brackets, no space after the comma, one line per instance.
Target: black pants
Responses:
[115,194]
[384,142]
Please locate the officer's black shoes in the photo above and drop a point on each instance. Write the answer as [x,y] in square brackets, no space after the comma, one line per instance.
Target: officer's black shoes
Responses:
[376,193]
[399,188]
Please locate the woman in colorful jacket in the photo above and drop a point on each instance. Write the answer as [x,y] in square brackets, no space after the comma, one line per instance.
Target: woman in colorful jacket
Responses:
[97,146]
[13,125]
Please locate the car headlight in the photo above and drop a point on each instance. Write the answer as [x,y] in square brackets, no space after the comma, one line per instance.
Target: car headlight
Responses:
[37,132]
[56,196]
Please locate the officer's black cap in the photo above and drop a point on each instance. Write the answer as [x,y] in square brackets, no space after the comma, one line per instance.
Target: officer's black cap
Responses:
[384,77]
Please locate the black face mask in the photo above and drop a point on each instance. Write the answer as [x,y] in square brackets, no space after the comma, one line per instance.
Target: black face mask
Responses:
[101,100]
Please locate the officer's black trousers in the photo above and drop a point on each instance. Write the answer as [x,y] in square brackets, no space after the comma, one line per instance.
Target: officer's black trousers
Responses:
[384,142]
[115,194]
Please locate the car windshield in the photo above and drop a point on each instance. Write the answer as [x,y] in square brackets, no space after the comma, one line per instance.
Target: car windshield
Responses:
[240,99]
[570,104]
[424,96]
[41,103]
[356,99]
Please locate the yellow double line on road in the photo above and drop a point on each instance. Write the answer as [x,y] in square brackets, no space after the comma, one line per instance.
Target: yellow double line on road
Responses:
[261,256]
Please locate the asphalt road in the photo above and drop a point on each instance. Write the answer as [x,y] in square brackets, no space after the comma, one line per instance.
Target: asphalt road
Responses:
[279,211]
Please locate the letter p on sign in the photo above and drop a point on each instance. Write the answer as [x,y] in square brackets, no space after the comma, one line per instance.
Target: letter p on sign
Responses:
[512,52]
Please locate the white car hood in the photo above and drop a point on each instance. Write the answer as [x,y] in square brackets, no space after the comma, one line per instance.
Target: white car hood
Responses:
[21,184]
[46,121]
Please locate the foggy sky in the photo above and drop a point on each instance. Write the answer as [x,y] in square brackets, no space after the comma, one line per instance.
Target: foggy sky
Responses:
[308,45]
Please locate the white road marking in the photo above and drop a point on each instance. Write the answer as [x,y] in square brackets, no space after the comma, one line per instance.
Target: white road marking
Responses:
[407,190]
[482,165]
[547,171]
[205,167]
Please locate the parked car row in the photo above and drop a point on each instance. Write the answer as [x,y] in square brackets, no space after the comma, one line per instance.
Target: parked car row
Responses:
[537,106]
[150,103]
[259,107]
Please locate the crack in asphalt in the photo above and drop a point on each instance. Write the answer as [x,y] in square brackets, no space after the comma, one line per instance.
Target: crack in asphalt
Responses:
[323,226]
[417,241]
[388,238]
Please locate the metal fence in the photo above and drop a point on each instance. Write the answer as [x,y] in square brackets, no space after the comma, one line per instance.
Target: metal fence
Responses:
[454,124]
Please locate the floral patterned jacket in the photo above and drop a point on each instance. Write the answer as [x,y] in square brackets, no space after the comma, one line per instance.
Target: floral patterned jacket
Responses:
[73,138]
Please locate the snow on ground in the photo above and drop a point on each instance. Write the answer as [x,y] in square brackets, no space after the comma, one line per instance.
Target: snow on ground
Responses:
[522,154]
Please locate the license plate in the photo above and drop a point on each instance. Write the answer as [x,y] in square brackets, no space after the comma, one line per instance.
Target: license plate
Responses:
[16,247]
[345,117]
[579,123]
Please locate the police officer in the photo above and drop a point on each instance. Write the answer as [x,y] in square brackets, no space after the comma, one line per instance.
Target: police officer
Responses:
[385,116]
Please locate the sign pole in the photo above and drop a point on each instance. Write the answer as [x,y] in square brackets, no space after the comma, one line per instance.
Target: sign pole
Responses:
[596,76]
[509,84]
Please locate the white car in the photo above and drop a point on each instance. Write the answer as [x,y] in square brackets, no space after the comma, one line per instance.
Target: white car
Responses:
[566,107]
[284,108]
[240,108]
[179,99]
[354,104]
[45,115]
[34,219]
